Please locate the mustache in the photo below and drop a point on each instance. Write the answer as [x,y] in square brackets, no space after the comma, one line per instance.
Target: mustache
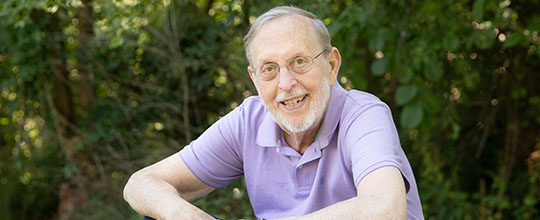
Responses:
[293,93]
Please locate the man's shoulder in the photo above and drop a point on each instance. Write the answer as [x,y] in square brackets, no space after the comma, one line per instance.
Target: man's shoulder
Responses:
[252,104]
[360,98]
[358,103]
[252,100]
[250,110]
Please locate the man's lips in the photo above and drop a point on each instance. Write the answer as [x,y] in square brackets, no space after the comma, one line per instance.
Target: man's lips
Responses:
[290,103]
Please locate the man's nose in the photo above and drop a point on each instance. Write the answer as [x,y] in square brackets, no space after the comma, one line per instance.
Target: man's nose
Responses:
[286,79]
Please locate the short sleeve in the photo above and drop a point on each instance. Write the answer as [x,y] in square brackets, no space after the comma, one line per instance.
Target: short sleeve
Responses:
[372,142]
[215,157]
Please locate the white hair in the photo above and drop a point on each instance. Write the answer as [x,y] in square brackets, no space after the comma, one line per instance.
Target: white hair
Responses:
[317,25]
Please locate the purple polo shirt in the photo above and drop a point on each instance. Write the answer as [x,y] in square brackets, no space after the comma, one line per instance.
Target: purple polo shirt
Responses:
[357,136]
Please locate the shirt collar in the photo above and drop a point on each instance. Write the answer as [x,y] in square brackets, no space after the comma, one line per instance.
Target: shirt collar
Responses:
[269,133]
[332,115]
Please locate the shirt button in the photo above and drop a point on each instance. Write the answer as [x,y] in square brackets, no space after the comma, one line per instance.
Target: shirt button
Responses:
[301,166]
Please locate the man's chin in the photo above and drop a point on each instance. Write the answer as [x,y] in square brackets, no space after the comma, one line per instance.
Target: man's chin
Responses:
[291,129]
[294,126]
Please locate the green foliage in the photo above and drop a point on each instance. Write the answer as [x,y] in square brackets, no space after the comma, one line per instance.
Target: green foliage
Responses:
[145,78]
[411,116]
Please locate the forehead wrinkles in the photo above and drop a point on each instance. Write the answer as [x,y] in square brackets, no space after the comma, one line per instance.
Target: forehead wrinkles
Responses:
[283,36]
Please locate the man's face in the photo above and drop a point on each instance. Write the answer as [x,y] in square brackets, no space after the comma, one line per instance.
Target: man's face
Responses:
[296,101]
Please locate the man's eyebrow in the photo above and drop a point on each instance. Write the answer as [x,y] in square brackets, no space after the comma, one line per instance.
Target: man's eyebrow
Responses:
[265,61]
[271,60]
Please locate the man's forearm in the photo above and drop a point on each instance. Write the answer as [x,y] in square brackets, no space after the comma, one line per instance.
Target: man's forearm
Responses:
[354,208]
[152,196]
[381,195]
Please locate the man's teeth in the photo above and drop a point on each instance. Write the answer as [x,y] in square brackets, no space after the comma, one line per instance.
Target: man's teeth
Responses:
[292,102]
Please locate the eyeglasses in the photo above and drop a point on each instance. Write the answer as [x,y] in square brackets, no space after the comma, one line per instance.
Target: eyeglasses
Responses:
[298,65]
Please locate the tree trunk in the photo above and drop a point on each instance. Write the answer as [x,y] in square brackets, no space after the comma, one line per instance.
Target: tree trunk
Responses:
[86,34]
[68,202]
[74,192]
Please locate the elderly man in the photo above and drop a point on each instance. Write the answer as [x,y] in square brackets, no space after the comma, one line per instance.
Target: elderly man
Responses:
[308,149]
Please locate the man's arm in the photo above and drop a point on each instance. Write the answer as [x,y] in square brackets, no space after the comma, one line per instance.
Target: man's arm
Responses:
[381,195]
[163,190]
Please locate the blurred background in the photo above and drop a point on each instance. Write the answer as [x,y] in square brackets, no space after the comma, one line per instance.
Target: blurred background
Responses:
[93,90]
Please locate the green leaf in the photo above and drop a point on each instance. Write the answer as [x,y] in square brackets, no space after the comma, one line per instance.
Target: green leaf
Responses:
[404,94]
[535,100]
[450,41]
[411,116]
[433,71]
[357,80]
[471,80]
[117,41]
[376,42]
[406,77]
[378,67]
[518,93]
[429,102]
[78,146]
[478,10]
[513,39]
[483,39]
[4,121]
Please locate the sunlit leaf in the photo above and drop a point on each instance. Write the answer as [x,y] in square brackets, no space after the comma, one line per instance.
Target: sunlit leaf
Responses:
[117,41]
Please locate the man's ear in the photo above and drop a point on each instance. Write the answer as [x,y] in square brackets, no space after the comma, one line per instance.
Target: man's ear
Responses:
[334,59]
[251,75]
[250,71]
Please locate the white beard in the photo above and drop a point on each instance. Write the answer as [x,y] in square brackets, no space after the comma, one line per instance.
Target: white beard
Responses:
[316,110]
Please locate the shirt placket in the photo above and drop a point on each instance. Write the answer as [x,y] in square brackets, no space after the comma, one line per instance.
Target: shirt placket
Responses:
[306,169]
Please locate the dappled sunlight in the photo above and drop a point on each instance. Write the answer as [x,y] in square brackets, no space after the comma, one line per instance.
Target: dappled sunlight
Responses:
[91,91]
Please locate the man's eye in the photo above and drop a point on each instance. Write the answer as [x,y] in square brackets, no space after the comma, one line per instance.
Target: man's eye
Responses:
[300,61]
[268,69]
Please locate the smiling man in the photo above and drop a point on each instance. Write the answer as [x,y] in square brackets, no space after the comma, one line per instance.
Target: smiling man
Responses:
[308,149]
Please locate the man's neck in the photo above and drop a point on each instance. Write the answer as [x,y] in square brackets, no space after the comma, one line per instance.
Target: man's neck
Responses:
[302,140]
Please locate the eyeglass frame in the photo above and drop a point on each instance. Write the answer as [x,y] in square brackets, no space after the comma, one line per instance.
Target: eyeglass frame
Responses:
[288,64]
